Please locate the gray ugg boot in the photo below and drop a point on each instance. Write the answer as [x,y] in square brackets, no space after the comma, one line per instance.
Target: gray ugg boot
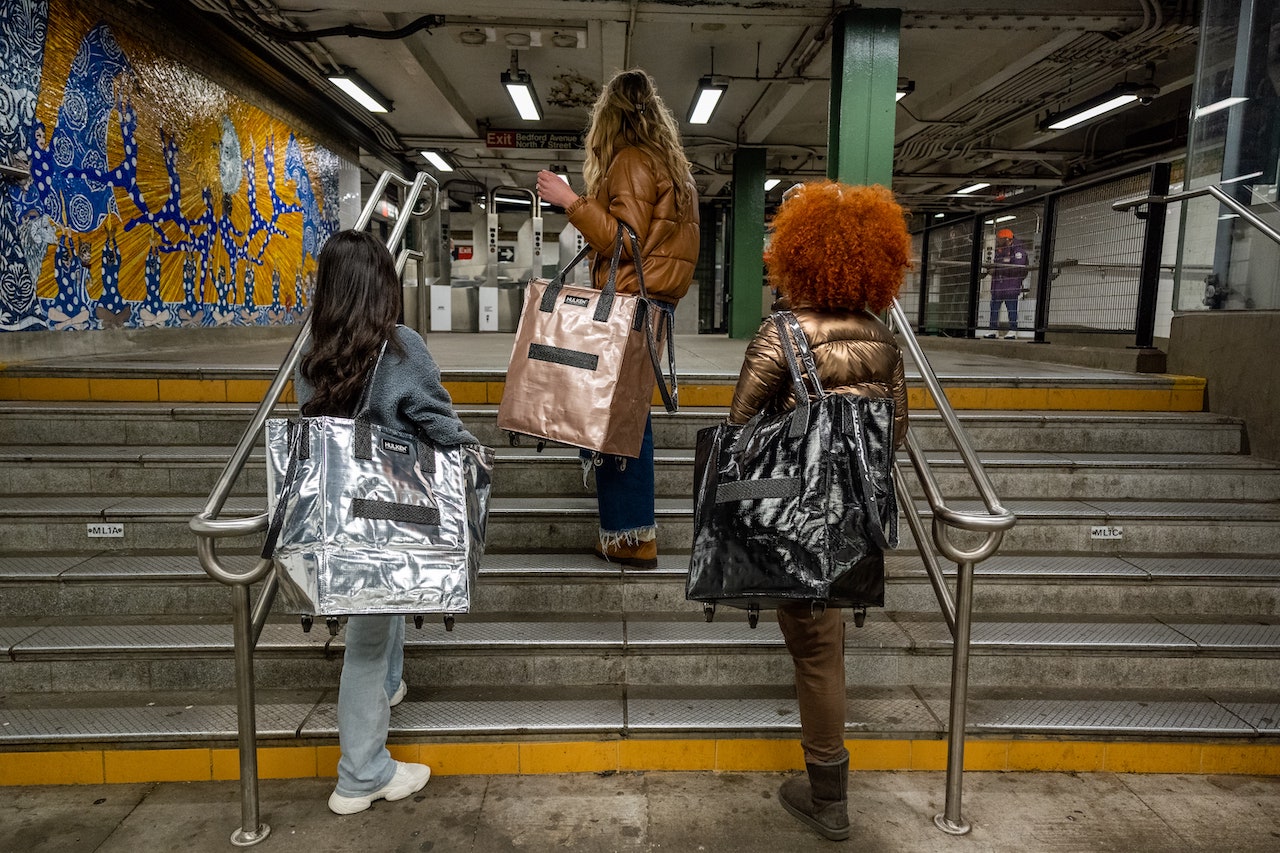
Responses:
[820,801]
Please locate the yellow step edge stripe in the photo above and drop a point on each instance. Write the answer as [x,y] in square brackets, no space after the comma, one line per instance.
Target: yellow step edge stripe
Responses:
[1181,394]
[203,764]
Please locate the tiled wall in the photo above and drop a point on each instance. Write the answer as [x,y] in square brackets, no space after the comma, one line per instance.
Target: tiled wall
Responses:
[156,197]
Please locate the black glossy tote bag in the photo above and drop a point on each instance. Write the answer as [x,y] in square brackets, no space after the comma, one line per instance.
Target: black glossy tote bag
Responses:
[797,506]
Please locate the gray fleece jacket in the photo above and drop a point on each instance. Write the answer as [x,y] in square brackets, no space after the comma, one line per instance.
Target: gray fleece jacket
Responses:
[407,394]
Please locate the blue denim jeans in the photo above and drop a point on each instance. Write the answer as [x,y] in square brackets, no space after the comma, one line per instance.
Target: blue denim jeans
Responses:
[1011,308]
[624,495]
[372,665]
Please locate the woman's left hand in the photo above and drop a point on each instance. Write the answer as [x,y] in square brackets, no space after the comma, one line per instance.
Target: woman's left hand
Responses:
[554,190]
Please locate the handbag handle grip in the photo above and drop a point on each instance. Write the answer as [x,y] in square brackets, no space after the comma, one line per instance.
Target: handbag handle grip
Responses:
[604,306]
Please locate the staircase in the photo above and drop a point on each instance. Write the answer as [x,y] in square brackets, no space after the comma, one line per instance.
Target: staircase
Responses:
[1130,620]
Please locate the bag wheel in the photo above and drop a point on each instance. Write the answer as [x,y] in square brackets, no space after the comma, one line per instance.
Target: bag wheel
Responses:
[859,616]
[753,615]
[448,622]
[542,445]
[306,623]
[514,439]
[332,623]
[417,620]
[708,612]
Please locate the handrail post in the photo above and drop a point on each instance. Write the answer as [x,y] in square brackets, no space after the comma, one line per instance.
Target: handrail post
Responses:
[950,820]
[1144,323]
[252,830]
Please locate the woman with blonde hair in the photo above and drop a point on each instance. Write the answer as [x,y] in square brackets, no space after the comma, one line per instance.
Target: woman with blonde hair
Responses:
[636,173]
[837,255]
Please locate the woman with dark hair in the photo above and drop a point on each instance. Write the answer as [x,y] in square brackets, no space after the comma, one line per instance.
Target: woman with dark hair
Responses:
[353,329]
[635,172]
[837,254]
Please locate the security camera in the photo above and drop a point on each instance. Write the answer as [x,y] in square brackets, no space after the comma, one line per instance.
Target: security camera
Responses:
[1147,94]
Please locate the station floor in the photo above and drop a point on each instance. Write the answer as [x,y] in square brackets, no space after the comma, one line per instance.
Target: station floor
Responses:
[663,811]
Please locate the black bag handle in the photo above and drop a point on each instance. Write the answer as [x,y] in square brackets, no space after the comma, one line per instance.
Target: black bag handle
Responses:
[604,306]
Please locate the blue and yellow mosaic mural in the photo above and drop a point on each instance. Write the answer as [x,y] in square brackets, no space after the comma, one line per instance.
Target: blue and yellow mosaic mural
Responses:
[155,197]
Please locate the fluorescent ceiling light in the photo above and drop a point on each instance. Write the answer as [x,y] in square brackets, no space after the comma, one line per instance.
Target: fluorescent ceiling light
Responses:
[1000,219]
[438,161]
[1217,106]
[1113,103]
[939,216]
[771,183]
[520,87]
[905,87]
[706,99]
[973,188]
[361,92]
[1120,95]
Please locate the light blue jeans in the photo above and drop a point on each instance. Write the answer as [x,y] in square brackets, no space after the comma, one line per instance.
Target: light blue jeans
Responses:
[372,666]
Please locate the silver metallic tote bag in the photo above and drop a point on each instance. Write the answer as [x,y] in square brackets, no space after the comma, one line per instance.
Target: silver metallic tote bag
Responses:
[367,519]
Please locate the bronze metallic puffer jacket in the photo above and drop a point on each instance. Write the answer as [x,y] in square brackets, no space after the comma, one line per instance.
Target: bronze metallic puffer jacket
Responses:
[637,193]
[855,354]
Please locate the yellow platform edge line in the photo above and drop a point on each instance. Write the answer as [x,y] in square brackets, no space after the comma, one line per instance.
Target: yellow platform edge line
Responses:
[203,764]
[1182,394]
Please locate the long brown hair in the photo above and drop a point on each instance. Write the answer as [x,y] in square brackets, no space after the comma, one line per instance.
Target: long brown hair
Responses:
[354,310]
[629,111]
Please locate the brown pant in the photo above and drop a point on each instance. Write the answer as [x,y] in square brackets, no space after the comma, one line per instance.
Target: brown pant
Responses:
[816,645]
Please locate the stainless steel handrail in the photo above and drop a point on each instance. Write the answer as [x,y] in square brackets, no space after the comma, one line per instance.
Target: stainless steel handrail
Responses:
[208,527]
[1214,190]
[957,611]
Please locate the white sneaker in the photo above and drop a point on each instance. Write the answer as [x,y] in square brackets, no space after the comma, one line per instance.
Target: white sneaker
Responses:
[409,779]
[398,696]
[992,335]
[1011,336]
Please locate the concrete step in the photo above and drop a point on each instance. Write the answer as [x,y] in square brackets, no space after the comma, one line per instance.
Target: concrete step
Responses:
[521,472]
[520,525]
[893,649]
[308,714]
[114,584]
[221,425]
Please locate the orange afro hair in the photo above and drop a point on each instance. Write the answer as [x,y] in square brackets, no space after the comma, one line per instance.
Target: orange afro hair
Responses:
[839,247]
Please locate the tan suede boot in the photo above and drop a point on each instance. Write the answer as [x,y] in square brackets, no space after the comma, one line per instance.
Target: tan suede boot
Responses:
[642,555]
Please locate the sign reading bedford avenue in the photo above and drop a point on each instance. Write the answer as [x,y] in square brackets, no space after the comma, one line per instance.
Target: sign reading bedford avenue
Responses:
[553,139]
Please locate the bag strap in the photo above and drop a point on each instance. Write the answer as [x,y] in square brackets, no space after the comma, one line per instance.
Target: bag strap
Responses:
[874,523]
[299,448]
[670,396]
[363,435]
[795,348]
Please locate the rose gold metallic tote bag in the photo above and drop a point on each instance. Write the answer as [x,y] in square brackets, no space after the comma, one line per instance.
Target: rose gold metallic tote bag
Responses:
[585,362]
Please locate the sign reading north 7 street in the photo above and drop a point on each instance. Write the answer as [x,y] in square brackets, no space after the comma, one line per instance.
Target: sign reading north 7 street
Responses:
[561,140]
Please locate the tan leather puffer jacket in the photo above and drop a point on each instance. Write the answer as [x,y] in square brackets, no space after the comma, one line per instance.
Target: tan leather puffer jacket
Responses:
[855,354]
[640,195]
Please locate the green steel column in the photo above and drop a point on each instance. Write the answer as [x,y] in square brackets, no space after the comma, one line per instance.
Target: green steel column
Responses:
[864,79]
[746,270]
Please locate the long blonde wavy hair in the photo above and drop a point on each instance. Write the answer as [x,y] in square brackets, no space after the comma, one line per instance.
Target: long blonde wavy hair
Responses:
[629,112]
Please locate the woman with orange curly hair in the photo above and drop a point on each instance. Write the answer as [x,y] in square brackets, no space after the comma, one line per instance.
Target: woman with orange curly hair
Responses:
[837,254]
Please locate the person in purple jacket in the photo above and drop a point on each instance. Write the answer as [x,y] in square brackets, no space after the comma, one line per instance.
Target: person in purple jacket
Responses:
[1008,271]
